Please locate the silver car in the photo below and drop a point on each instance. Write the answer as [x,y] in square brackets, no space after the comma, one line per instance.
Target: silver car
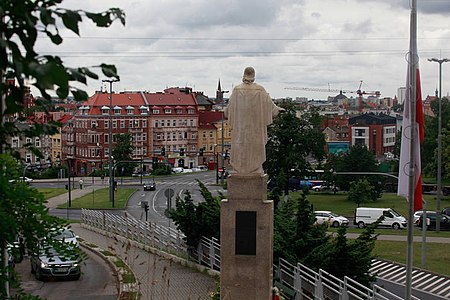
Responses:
[323,216]
[48,263]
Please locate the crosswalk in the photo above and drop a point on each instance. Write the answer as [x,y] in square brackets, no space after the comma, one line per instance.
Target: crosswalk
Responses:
[435,284]
[183,182]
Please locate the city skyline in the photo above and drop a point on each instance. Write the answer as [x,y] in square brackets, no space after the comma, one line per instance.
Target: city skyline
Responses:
[326,44]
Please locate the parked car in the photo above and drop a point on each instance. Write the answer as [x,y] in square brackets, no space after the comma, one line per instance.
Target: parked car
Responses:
[431,222]
[417,215]
[177,170]
[48,263]
[21,179]
[150,186]
[446,211]
[332,218]
[65,235]
[369,215]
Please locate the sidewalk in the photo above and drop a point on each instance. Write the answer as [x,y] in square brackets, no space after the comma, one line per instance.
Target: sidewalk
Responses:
[159,278]
[75,193]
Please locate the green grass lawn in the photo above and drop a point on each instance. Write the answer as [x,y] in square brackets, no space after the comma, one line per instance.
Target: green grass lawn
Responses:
[437,255]
[339,204]
[52,192]
[100,199]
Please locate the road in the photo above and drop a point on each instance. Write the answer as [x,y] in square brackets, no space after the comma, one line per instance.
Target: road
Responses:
[96,282]
[169,188]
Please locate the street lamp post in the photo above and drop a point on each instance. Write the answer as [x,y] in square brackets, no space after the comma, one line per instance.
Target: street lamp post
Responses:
[439,158]
[111,183]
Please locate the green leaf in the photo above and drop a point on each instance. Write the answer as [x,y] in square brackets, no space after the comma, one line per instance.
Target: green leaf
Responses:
[46,16]
[89,73]
[55,38]
[80,95]
[77,75]
[109,70]
[71,19]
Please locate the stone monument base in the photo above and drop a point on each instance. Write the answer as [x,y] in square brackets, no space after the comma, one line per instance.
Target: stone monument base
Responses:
[246,239]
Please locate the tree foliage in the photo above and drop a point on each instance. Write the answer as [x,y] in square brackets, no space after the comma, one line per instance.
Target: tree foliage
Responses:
[361,191]
[298,239]
[430,144]
[295,234]
[292,142]
[359,159]
[197,220]
[123,151]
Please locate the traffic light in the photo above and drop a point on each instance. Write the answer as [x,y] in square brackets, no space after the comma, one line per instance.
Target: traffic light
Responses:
[181,151]
[163,151]
[227,154]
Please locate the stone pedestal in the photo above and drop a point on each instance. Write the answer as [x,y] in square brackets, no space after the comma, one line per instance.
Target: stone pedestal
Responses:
[246,239]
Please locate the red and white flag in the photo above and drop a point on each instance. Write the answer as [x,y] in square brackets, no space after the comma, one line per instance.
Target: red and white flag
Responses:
[405,158]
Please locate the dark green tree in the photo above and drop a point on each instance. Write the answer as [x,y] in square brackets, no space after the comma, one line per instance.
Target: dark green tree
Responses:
[122,152]
[342,257]
[197,220]
[430,144]
[295,234]
[292,142]
[359,159]
[361,191]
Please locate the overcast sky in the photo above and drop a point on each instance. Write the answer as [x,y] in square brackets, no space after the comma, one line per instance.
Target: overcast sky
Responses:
[290,43]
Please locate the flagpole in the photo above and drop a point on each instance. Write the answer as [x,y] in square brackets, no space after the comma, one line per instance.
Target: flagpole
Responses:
[412,67]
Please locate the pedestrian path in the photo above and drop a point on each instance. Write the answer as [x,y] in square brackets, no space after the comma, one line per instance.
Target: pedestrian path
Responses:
[159,278]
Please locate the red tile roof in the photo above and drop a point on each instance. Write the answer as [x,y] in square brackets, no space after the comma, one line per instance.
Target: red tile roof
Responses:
[209,117]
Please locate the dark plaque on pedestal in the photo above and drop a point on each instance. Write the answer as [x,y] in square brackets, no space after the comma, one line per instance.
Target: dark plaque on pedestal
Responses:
[245,233]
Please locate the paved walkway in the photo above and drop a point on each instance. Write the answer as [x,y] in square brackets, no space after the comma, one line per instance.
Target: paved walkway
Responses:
[160,278]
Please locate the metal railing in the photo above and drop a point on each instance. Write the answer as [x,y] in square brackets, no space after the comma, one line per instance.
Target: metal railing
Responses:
[298,282]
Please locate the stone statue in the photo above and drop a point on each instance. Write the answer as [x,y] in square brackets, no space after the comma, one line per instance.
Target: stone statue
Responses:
[250,110]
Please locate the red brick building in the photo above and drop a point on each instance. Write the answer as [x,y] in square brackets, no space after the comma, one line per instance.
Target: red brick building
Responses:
[159,123]
[376,131]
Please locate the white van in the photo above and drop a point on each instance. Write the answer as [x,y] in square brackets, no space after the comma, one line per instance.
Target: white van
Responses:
[369,215]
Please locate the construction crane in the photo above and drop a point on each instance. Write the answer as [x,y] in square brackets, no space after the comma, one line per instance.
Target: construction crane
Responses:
[359,92]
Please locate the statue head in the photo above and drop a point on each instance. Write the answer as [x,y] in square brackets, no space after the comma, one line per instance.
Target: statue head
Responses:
[249,75]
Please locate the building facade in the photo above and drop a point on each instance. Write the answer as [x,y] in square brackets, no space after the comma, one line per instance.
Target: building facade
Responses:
[376,131]
[163,127]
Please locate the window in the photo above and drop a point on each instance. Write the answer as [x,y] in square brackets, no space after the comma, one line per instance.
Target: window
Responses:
[106,138]
[94,124]
[156,123]
[174,136]
[28,140]
[204,134]
[37,142]
[156,111]
[122,123]
[129,111]
[158,136]
[106,124]
[15,142]
[191,122]
[191,111]
[117,110]
[167,111]
[144,137]
[162,123]
[174,123]
[179,111]
[130,124]
[114,124]
[144,123]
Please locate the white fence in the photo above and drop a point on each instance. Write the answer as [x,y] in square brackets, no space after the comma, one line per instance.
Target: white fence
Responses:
[297,282]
